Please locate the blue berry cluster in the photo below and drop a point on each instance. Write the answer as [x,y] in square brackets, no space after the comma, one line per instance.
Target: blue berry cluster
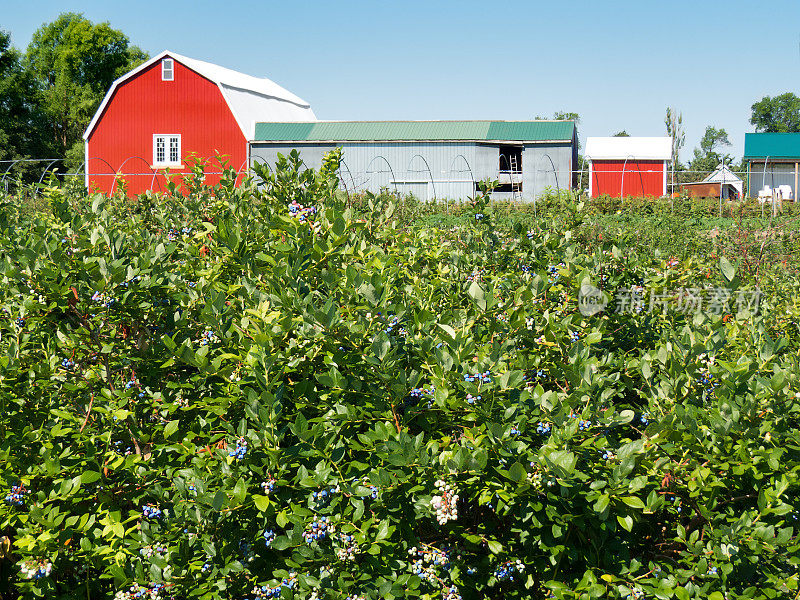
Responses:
[246,550]
[675,500]
[582,425]
[268,486]
[475,276]
[269,537]
[393,320]
[103,299]
[543,428]
[348,548]
[428,561]
[644,418]
[451,593]
[418,393]
[16,497]
[140,592]
[325,495]
[207,337]
[574,336]
[530,234]
[552,271]
[241,449]
[151,511]
[478,216]
[515,430]
[473,399]
[130,384]
[506,571]
[20,322]
[485,377]
[318,529]
[266,591]
[68,364]
[36,569]
[300,212]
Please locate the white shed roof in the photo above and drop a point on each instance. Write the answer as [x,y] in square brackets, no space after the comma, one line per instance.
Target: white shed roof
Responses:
[250,98]
[621,148]
[723,173]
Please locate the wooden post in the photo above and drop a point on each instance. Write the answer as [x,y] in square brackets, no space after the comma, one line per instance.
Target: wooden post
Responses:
[794,191]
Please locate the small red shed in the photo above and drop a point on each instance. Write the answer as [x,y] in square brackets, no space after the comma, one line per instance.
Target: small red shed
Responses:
[628,166]
[173,107]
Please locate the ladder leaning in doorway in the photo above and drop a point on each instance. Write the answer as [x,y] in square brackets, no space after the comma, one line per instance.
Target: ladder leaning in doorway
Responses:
[516,186]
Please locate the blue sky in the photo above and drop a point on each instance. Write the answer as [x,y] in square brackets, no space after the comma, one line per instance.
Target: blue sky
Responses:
[618,64]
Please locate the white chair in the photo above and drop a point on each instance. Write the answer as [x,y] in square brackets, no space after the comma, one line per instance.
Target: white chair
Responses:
[786,192]
[765,194]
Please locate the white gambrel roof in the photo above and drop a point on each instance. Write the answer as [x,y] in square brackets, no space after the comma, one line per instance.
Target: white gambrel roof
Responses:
[621,148]
[249,98]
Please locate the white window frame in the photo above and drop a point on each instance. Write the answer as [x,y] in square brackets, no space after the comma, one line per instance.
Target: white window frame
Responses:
[167,68]
[166,138]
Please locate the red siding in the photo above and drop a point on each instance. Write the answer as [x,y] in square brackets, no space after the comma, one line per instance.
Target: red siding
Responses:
[642,178]
[190,105]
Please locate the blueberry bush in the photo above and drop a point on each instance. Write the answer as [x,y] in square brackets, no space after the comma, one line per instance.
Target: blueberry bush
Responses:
[256,392]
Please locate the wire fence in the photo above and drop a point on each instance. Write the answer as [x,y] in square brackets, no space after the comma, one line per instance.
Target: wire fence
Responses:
[380,173]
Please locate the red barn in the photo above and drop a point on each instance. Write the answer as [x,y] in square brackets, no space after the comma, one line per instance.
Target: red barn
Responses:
[628,166]
[172,108]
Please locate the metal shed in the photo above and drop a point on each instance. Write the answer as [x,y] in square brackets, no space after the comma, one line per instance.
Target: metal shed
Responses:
[773,160]
[628,166]
[721,183]
[433,159]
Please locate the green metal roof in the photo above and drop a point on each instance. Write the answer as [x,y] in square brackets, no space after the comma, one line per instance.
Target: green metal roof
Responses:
[376,131]
[772,145]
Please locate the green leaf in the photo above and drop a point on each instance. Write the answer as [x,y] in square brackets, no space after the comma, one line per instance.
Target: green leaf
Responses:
[626,522]
[171,428]
[262,502]
[632,501]
[495,547]
[477,293]
[728,270]
[517,472]
[602,503]
[90,476]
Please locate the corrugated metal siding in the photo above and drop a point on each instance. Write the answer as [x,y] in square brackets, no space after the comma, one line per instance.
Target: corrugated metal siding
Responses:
[354,131]
[641,178]
[773,176]
[191,106]
[539,173]
[773,145]
[454,166]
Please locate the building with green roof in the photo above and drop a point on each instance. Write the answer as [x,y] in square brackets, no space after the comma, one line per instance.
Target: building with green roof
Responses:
[433,159]
[773,160]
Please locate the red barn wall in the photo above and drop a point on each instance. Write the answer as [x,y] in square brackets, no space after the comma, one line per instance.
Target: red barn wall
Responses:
[142,106]
[642,178]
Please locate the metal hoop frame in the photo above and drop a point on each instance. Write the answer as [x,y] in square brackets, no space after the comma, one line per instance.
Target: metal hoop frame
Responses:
[394,179]
[427,166]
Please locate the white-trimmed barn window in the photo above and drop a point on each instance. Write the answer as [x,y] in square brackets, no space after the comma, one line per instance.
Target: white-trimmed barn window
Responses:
[167,150]
[167,69]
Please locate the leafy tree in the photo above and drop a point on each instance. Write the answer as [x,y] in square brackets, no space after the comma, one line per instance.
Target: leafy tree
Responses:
[780,114]
[622,133]
[17,119]
[674,123]
[706,157]
[73,62]
[561,115]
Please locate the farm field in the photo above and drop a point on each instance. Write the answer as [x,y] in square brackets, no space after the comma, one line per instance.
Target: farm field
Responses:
[273,391]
